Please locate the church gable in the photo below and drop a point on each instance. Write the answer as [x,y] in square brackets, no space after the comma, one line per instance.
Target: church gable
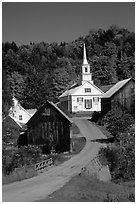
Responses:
[88,89]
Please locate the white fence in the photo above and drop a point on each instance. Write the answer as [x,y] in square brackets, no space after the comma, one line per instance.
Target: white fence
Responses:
[42,165]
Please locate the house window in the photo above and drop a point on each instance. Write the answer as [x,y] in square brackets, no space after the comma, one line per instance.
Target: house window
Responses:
[132,89]
[79,99]
[95,100]
[20,117]
[86,69]
[87,90]
[88,103]
[46,112]
[75,107]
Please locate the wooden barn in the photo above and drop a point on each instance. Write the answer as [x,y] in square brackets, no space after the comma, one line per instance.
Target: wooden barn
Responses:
[121,94]
[49,127]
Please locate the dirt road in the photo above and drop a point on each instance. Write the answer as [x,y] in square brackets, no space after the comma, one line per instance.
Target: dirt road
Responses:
[39,187]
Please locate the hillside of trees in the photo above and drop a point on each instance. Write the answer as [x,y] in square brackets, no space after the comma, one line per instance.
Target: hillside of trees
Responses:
[40,71]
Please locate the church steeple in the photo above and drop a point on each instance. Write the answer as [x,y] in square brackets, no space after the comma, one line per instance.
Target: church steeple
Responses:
[86,74]
[84,56]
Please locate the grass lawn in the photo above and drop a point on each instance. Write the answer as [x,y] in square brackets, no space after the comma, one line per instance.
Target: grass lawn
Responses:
[88,189]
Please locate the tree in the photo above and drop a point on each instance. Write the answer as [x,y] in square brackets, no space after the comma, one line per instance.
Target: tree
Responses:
[6,95]
[16,83]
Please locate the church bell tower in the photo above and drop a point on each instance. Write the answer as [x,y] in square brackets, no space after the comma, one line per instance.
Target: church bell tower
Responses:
[86,74]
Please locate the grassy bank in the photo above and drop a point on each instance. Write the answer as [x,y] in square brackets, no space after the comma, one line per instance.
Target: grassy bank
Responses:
[88,189]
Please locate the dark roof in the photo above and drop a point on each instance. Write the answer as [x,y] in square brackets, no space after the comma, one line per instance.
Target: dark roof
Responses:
[55,107]
[106,87]
[60,111]
[10,118]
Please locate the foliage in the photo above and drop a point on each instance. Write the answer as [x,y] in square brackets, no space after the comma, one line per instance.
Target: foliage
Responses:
[6,95]
[41,70]
[95,116]
[27,155]
[111,155]
[121,125]
[117,121]
[126,155]
[10,130]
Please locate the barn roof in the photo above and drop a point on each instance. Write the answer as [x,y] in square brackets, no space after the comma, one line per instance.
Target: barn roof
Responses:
[59,110]
[31,111]
[106,87]
[55,107]
[116,88]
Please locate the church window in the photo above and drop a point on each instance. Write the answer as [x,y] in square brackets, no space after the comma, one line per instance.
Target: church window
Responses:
[88,103]
[79,99]
[95,100]
[75,107]
[87,90]
[20,117]
[86,69]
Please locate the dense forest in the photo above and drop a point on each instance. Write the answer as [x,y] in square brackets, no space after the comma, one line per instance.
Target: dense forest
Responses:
[40,71]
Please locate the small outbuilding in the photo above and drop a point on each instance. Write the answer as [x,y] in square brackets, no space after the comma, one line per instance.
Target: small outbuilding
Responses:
[49,127]
[121,94]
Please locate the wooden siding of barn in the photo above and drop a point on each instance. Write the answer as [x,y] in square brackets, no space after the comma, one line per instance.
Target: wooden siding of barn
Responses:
[51,129]
[105,105]
[125,97]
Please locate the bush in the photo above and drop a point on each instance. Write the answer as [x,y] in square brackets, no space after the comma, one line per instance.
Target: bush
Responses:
[111,156]
[26,155]
[95,116]
[10,130]
[126,155]
[117,121]
[121,159]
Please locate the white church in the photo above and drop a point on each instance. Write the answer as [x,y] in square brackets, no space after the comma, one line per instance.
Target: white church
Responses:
[84,96]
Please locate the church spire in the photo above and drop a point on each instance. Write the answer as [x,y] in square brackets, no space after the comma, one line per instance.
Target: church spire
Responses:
[86,73]
[84,57]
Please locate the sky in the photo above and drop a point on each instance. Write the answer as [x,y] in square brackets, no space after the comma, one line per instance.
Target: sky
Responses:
[25,22]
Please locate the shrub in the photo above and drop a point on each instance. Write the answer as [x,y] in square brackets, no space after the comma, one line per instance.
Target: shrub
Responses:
[117,121]
[121,159]
[111,155]
[95,116]
[10,130]
[26,155]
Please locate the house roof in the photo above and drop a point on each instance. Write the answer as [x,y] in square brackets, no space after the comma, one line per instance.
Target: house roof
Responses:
[18,104]
[115,88]
[15,121]
[106,87]
[74,88]
[55,107]
[31,111]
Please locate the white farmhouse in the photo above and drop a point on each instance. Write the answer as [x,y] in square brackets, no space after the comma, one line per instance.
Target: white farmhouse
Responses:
[19,114]
[82,97]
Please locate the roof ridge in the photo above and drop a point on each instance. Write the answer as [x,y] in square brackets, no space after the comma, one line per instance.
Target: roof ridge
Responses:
[60,111]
